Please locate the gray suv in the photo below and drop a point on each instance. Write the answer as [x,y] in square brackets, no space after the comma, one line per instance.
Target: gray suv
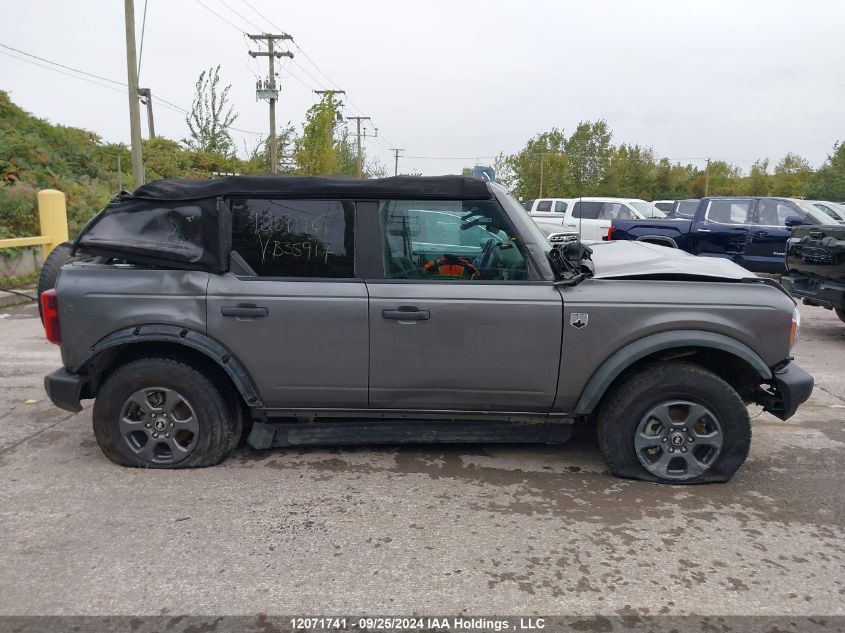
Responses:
[310,310]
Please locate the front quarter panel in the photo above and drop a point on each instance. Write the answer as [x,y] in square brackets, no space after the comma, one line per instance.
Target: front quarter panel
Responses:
[619,312]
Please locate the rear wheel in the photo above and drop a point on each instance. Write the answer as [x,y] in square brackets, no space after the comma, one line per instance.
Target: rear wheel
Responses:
[674,422]
[57,258]
[840,312]
[162,413]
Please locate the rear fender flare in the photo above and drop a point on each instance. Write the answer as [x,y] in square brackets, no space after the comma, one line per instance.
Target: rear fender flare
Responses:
[659,240]
[646,346]
[184,337]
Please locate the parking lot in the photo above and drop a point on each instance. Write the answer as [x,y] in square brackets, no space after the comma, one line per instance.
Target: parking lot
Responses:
[473,529]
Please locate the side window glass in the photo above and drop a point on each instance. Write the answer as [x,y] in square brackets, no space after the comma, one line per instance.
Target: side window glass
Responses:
[612,210]
[560,206]
[449,240]
[295,238]
[544,205]
[774,213]
[587,210]
[728,211]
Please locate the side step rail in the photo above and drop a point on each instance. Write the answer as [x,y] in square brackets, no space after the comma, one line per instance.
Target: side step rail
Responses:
[280,434]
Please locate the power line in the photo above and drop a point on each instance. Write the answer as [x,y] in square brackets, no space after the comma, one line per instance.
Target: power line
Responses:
[227,21]
[56,70]
[240,15]
[169,105]
[76,70]
[261,15]
[143,28]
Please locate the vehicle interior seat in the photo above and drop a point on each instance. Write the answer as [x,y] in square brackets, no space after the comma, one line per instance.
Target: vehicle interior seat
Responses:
[720,213]
[769,216]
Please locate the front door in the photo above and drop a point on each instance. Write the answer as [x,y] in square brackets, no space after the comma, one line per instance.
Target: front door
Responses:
[766,250]
[293,310]
[460,322]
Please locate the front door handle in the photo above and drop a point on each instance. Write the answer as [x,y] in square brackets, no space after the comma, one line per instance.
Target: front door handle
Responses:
[406,313]
[760,233]
[244,311]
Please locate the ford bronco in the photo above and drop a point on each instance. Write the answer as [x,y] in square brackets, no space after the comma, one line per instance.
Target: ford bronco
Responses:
[315,310]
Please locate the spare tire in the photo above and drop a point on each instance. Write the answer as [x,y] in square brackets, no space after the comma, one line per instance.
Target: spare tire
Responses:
[57,258]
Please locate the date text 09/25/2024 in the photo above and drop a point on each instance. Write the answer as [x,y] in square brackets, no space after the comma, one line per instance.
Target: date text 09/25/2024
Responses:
[418,623]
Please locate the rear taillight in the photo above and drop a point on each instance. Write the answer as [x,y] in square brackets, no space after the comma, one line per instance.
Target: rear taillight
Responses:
[610,233]
[50,315]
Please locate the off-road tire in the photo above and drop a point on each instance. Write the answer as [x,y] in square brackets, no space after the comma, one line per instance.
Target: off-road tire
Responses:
[840,312]
[624,408]
[218,415]
[57,258]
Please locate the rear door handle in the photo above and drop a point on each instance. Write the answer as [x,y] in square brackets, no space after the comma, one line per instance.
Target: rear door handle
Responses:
[760,233]
[244,311]
[406,313]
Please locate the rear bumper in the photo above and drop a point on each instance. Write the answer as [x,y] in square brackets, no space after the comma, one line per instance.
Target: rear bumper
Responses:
[820,292]
[792,387]
[65,389]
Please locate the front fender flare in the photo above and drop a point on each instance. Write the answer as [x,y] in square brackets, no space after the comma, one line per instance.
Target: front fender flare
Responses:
[185,337]
[631,353]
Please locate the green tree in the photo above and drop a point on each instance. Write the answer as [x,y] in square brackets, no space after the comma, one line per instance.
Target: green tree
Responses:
[829,181]
[630,172]
[673,181]
[792,176]
[315,151]
[542,159]
[211,116]
[759,182]
[588,152]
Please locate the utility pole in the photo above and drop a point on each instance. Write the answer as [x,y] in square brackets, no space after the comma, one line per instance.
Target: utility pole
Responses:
[268,90]
[147,100]
[134,110]
[707,179]
[332,93]
[358,120]
[396,160]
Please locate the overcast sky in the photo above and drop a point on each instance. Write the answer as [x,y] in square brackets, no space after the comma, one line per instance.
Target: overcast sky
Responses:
[457,82]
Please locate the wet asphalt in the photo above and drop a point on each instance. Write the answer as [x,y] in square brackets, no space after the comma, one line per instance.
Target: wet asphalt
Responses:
[481,529]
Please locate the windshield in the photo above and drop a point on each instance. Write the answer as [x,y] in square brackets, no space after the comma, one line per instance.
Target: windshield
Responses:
[646,209]
[537,235]
[836,211]
[813,211]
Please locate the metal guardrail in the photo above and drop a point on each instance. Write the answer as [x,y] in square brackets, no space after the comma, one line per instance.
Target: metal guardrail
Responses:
[52,217]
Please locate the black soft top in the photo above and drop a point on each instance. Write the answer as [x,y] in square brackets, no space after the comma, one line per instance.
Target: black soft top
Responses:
[337,187]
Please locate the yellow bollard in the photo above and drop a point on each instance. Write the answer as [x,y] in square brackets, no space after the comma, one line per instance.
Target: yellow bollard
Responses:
[52,214]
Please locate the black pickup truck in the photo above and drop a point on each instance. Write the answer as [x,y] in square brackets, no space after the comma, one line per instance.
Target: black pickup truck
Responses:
[751,231]
[815,262]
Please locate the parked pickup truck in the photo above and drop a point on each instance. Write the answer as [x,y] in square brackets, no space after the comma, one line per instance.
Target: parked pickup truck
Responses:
[750,231]
[815,262]
[589,217]
[300,310]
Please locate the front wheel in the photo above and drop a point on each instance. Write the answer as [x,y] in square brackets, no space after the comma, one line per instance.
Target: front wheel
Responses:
[674,422]
[840,312]
[163,413]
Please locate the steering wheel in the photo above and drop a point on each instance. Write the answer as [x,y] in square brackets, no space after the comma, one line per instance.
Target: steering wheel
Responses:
[449,265]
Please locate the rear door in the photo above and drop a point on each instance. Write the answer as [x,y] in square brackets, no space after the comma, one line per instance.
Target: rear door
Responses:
[292,309]
[723,230]
[468,327]
[766,250]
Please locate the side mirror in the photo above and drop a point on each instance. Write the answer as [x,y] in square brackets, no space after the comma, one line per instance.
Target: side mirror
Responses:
[793,220]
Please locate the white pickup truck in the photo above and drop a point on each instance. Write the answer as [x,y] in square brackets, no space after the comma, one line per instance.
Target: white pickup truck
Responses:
[590,217]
